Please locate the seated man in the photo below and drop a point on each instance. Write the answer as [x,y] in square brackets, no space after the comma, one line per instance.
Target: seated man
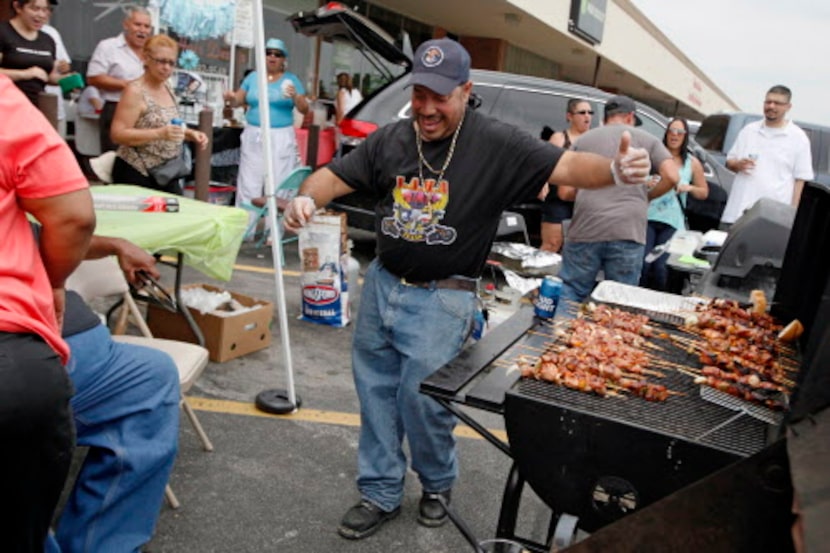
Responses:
[126,410]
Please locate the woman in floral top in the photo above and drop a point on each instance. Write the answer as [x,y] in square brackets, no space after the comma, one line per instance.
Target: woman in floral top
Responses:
[142,125]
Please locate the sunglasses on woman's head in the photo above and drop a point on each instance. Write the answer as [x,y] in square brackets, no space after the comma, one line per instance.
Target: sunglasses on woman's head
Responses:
[274,53]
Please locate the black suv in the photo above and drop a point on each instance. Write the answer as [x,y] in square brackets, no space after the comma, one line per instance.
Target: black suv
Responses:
[530,103]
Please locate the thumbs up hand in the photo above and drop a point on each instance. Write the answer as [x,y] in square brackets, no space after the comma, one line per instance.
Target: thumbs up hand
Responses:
[631,165]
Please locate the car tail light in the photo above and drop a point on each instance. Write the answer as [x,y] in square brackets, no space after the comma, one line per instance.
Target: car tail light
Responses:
[354,131]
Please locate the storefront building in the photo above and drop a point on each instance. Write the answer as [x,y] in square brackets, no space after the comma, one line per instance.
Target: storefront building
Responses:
[609,44]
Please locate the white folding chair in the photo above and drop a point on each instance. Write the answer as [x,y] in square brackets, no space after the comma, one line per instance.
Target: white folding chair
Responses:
[102,277]
[285,191]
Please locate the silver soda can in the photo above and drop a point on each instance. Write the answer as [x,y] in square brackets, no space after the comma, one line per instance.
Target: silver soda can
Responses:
[548,298]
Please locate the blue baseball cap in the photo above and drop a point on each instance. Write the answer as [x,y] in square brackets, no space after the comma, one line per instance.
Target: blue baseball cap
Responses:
[440,65]
[276,44]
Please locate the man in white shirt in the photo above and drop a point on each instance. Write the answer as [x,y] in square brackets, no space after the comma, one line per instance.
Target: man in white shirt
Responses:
[117,61]
[771,157]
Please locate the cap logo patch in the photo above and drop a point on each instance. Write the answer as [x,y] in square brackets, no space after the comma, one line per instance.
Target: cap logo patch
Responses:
[432,57]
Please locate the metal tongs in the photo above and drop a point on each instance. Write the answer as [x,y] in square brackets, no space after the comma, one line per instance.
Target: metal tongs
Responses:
[151,291]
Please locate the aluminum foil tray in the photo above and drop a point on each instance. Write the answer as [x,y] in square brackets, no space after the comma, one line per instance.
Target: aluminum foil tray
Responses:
[669,308]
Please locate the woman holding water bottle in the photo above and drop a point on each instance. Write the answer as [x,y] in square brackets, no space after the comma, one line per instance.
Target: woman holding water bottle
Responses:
[665,213]
[285,92]
[146,124]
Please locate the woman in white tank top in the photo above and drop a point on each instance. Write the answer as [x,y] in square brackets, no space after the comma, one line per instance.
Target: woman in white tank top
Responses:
[347,96]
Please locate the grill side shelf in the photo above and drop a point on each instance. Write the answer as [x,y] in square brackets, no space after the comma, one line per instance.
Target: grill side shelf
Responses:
[448,381]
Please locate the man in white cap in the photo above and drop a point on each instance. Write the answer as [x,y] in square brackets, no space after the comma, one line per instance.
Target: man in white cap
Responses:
[442,180]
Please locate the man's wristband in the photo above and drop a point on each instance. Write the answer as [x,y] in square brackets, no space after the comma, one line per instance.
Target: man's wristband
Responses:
[309,196]
[615,178]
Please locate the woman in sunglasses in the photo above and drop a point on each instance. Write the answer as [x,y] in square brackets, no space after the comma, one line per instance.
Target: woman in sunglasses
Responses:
[665,213]
[554,209]
[285,92]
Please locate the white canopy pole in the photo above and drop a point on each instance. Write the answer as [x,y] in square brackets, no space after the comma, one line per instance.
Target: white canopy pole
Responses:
[276,247]
[232,61]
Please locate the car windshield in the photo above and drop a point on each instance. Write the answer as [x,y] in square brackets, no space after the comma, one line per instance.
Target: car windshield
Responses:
[712,132]
[716,134]
[656,128]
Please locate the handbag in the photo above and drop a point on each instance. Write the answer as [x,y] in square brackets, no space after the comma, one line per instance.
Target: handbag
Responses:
[172,169]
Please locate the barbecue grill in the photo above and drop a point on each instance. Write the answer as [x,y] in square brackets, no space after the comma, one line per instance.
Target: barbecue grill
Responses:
[594,460]
[753,254]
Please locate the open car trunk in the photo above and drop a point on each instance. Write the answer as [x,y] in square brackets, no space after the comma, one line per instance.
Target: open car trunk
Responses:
[334,21]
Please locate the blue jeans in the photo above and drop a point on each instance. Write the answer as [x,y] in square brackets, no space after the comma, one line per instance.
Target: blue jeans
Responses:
[619,260]
[656,274]
[126,409]
[403,334]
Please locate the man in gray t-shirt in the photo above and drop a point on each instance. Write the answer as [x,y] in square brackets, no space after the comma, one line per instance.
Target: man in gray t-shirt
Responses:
[608,228]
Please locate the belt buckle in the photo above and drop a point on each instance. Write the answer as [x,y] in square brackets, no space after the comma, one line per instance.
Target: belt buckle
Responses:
[414,284]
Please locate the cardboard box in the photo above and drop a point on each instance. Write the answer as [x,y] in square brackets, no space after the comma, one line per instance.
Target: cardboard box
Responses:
[226,337]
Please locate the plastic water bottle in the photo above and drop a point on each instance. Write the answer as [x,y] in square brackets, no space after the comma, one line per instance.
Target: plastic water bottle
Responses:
[180,123]
[147,204]
[284,88]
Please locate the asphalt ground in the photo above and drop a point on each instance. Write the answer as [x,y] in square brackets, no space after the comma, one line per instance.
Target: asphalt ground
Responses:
[282,483]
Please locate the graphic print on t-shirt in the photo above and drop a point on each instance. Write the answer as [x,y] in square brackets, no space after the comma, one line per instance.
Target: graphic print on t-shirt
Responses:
[417,210]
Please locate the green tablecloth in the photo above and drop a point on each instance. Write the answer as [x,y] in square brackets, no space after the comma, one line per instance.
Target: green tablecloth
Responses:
[208,235]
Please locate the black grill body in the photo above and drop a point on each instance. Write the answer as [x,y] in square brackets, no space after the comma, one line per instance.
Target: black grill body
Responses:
[596,468]
[743,508]
[596,458]
[600,458]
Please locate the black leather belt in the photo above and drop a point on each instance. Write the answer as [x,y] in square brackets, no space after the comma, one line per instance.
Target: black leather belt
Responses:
[463,284]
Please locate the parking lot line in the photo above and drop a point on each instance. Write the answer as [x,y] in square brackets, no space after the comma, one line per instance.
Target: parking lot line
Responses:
[307,415]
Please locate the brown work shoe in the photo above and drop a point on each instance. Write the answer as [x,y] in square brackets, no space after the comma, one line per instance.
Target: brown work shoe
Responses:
[364,519]
[430,511]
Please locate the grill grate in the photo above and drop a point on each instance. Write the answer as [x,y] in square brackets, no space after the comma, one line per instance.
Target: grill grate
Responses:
[687,417]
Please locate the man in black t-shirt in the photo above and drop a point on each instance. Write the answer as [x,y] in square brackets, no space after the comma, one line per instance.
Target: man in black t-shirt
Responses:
[442,181]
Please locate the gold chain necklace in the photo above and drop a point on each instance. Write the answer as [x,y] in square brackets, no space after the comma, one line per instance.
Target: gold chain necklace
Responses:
[424,162]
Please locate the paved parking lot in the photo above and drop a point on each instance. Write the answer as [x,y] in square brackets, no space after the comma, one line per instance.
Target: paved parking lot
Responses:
[282,483]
